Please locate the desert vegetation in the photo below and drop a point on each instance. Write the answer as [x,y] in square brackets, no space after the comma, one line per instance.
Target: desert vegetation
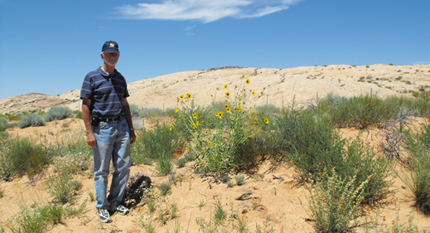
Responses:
[346,182]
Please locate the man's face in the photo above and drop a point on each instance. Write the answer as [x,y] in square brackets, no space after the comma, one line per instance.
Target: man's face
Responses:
[110,58]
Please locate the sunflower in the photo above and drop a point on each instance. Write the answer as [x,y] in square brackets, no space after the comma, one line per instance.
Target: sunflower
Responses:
[209,143]
[193,126]
[266,120]
[243,75]
[259,96]
[217,114]
[195,115]
[217,88]
[176,110]
[225,86]
[171,127]
[189,95]
[227,94]
[197,123]
[248,81]
[253,93]
[228,109]
[181,97]
[180,116]
[220,115]
[239,108]
[226,106]
[255,121]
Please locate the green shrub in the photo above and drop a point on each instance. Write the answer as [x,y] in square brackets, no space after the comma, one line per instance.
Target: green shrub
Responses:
[58,113]
[61,187]
[335,201]
[23,156]
[164,188]
[3,123]
[30,120]
[313,145]
[154,143]
[359,111]
[36,220]
[417,177]
[79,115]
[415,93]
[164,164]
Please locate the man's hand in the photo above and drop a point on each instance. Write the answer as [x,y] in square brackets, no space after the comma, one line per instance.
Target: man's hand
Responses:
[91,140]
[132,137]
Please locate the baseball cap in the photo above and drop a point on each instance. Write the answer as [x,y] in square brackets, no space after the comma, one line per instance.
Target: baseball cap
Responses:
[110,47]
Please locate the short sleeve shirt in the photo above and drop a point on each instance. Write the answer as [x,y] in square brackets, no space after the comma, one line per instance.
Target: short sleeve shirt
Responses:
[106,92]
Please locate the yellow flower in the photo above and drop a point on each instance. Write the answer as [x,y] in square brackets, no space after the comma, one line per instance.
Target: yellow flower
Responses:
[225,86]
[217,88]
[227,94]
[243,75]
[248,81]
[253,93]
[255,120]
[220,115]
[171,127]
[239,108]
[226,106]
[181,97]
[195,115]
[197,123]
[217,114]
[228,109]
[189,95]
[266,120]
[180,116]
[259,96]
[209,143]
[176,110]
[193,126]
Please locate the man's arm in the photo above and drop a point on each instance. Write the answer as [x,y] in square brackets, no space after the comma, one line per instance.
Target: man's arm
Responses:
[91,139]
[129,121]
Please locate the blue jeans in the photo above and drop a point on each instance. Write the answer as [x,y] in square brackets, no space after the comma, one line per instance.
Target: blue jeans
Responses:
[113,143]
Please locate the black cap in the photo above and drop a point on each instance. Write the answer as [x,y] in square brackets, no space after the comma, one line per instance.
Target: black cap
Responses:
[110,47]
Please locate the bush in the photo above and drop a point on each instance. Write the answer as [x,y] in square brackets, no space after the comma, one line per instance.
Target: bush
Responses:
[313,145]
[58,113]
[164,188]
[3,123]
[30,120]
[23,156]
[154,143]
[417,177]
[61,187]
[360,111]
[335,201]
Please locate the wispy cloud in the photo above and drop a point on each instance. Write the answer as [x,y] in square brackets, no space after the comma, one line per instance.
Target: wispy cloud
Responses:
[204,10]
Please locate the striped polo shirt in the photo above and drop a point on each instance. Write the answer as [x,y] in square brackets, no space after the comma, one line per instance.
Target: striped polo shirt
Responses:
[106,92]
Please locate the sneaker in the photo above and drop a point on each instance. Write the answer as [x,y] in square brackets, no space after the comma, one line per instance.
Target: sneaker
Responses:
[103,215]
[120,209]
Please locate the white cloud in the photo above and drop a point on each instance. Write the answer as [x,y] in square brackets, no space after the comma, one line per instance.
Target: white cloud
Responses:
[204,10]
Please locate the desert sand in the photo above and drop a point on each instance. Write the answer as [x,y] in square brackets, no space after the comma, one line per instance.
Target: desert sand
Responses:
[279,204]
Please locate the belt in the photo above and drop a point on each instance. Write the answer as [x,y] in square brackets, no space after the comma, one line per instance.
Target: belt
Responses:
[111,119]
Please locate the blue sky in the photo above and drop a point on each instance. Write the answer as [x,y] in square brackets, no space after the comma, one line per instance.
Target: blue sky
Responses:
[48,46]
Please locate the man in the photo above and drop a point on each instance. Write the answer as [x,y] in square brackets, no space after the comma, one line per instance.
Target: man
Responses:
[109,129]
